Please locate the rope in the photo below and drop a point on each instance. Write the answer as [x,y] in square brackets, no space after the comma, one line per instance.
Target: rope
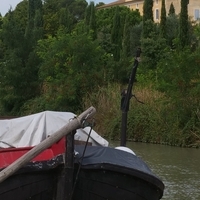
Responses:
[81,160]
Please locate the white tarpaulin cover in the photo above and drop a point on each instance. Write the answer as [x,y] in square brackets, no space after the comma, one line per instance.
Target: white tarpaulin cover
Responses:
[31,130]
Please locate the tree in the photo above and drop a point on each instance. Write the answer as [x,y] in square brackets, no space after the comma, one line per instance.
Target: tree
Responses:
[163,20]
[116,35]
[19,66]
[77,10]
[171,9]
[136,35]
[172,29]
[70,65]
[147,10]
[65,20]
[88,14]
[176,79]
[51,10]
[92,24]
[184,24]
[100,4]
[147,16]
[126,45]
[16,79]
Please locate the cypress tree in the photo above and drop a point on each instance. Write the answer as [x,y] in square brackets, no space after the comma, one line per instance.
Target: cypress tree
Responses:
[65,19]
[171,9]
[184,24]
[15,82]
[1,20]
[37,5]
[31,9]
[163,20]
[116,36]
[87,15]
[38,26]
[126,37]
[147,17]
[147,10]
[34,30]
[92,24]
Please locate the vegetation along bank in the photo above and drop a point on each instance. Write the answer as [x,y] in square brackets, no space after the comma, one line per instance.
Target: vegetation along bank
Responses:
[68,55]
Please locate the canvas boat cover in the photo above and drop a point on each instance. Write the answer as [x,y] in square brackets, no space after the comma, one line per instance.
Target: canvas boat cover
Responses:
[116,160]
[32,129]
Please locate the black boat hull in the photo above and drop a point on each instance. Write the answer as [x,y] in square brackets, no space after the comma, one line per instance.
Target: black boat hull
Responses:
[104,173]
[34,186]
[111,185]
[35,181]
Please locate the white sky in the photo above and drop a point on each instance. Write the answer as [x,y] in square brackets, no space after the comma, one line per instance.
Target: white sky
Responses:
[6,4]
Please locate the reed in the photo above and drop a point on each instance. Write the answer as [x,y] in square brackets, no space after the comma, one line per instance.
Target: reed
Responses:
[155,121]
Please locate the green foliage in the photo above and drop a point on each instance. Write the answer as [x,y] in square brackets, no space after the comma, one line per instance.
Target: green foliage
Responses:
[177,70]
[18,82]
[92,23]
[152,49]
[178,77]
[126,45]
[77,9]
[105,19]
[51,17]
[65,20]
[13,30]
[148,29]
[155,121]
[31,9]
[105,16]
[19,66]
[54,15]
[163,20]
[73,70]
[87,14]
[106,100]
[147,10]
[135,37]
[147,18]
[20,13]
[171,10]
[116,35]
[184,24]
[172,30]
[71,67]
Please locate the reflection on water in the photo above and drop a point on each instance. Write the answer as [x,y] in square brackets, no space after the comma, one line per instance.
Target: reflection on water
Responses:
[179,168]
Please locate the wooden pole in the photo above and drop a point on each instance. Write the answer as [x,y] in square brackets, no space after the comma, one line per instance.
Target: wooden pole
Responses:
[72,125]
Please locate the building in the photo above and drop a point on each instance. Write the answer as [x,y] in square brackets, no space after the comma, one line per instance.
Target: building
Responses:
[193,7]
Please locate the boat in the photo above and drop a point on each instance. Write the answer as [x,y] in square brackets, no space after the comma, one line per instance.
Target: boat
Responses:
[69,167]
[58,156]
[105,173]
[114,174]
[33,153]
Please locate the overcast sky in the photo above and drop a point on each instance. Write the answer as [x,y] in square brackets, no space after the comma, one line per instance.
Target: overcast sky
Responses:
[6,4]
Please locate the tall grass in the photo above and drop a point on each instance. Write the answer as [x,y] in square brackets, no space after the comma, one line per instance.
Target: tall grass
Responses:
[106,100]
[155,121]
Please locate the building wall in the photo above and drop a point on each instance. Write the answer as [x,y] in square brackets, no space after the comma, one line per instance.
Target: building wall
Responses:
[193,7]
[137,5]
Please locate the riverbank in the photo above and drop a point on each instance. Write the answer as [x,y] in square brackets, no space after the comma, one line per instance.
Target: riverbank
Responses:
[160,120]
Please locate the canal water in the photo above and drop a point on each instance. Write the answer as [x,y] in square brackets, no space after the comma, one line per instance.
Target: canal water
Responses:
[178,168]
